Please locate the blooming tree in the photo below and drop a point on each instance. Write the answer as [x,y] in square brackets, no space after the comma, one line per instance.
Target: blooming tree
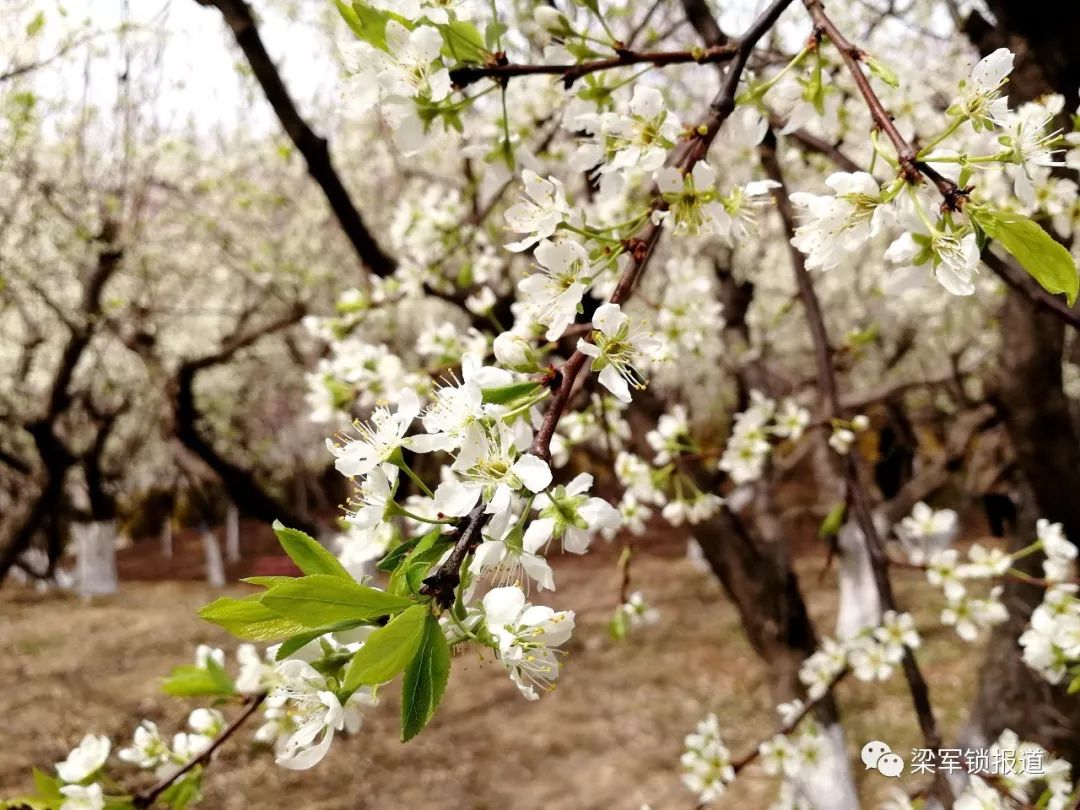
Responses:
[642,208]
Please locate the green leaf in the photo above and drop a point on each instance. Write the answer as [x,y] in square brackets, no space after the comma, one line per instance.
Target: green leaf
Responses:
[308,553]
[289,646]
[395,555]
[430,549]
[320,599]
[192,681]
[882,71]
[249,619]
[1048,261]
[388,650]
[493,33]
[830,526]
[33,28]
[463,42]
[29,803]
[369,24]
[47,786]
[505,394]
[1074,686]
[266,582]
[425,680]
[185,791]
[618,624]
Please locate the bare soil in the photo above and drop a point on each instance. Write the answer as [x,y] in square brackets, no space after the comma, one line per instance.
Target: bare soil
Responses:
[608,737]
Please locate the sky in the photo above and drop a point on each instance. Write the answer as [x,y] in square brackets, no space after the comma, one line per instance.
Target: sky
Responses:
[199,78]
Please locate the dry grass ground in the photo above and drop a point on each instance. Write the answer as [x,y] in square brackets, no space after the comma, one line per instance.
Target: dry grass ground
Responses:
[609,737]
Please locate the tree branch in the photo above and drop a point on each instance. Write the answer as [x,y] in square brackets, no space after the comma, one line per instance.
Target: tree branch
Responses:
[464,76]
[875,546]
[315,149]
[150,795]
[642,245]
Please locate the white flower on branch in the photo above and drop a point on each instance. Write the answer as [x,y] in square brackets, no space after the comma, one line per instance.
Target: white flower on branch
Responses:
[980,100]
[970,616]
[490,465]
[569,514]
[512,560]
[148,749]
[540,213]
[369,501]
[553,295]
[80,797]
[926,531]
[706,762]
[896,632]
[526,637]
[615,348]
[693,203]
[639,140]
[378,440]
[85,759]
[313,709]
[834,226]
[454,408]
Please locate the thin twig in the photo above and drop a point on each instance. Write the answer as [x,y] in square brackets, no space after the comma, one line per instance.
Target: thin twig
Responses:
[150,795]
[503,72]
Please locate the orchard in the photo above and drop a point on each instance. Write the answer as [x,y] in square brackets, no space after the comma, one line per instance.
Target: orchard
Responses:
[538,341]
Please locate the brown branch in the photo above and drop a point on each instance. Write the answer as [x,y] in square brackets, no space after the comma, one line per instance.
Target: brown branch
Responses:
[860,502]
[315,149]
[910,167]
[702,20]
[242,485]
[642,245]
[150,795]
[464,76]
[467,536]
[750,756]
[56,457]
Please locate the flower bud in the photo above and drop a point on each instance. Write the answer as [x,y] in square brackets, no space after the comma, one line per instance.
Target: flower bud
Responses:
[550,19]
[515,352]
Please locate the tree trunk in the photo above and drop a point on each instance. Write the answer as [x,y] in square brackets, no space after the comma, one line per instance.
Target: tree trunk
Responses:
[96,568]
[758,578]
[215,566]
[1032,402]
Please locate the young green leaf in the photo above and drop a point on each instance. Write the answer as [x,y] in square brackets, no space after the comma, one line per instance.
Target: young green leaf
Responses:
[291,645]
[505,394]
[388,650]
[463,42]
[428,550]
[830,526]
[425,680]
[249,619]
[185,791]
[192,681]
[395,555]
[308,553]
[369,24]
[320,599]
[47,786]
[1047,260]
[266,582]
